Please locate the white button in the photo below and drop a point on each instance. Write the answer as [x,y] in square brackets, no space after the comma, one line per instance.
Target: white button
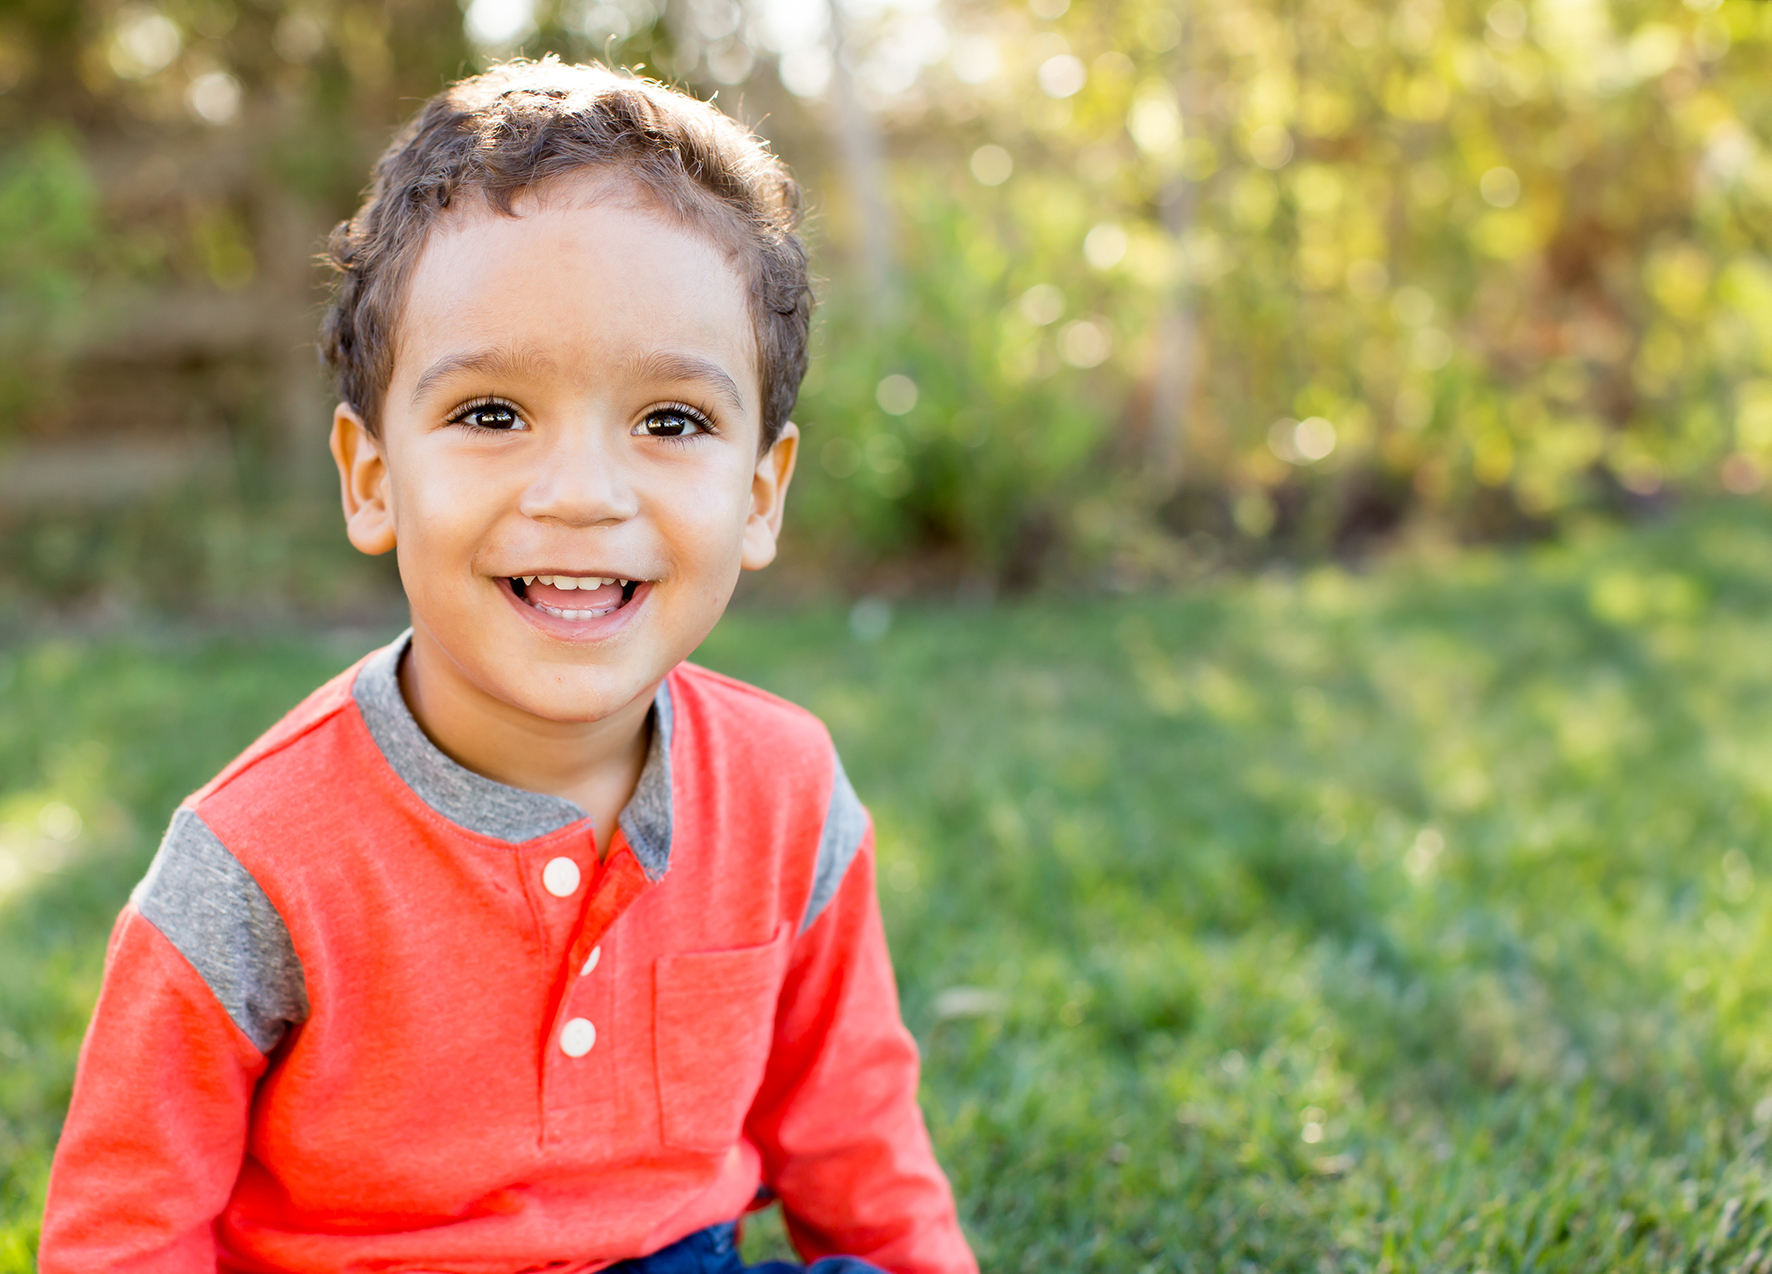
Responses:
[561,877]
[591,960]
[577,1036]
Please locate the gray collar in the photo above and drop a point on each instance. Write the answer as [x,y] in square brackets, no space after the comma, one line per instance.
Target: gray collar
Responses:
[496,809]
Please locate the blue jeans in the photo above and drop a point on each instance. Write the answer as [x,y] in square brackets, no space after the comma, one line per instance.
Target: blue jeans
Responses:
[715,1251]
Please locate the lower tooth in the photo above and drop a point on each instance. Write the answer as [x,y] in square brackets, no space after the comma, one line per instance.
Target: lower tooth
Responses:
[560,613]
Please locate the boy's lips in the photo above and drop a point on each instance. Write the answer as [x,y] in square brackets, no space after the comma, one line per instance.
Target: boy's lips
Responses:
[576,606]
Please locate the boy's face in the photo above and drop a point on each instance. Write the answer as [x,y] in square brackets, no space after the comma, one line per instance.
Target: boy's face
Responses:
[574,394]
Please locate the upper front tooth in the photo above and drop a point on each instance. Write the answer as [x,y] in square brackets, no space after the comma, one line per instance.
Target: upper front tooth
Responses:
[527,579]
[571,582]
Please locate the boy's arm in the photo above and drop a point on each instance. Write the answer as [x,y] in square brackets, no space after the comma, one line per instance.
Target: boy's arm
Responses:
[200,983]
[157,1128]
[836,1120]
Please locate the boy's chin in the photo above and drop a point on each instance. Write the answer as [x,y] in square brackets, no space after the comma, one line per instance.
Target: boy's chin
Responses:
[570,695]
[565,682]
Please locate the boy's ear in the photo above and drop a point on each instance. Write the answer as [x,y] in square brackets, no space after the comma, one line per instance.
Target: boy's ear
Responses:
[363,482]
[769,493]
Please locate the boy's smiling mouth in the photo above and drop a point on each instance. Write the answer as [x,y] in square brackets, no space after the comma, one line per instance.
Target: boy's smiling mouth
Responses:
[574,597]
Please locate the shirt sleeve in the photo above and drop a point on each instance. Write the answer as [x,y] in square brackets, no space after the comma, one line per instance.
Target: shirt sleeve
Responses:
[201,983]
[836,1120]
[156,1132]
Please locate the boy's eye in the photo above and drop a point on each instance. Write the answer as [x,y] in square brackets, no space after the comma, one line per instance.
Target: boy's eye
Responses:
[500,416]
[673,422]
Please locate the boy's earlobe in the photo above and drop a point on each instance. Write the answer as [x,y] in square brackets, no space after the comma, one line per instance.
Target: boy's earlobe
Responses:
[769,491]
[363,482]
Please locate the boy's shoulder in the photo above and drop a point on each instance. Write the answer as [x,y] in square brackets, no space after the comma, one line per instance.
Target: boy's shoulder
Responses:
[771,746]
[729,704]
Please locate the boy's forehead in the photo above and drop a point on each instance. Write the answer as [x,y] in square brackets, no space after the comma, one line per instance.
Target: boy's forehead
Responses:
[585,266]
[683,213]
[682,205]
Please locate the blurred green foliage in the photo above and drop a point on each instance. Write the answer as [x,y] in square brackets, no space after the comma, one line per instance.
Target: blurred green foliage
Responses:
[1513,258]
[49,232]
[1114,288]
[1409,921]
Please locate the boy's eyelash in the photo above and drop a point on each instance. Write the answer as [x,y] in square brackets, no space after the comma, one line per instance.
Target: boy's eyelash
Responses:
[460,414]
[703,420]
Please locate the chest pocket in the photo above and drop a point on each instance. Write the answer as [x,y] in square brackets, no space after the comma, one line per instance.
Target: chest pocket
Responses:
[715,1021]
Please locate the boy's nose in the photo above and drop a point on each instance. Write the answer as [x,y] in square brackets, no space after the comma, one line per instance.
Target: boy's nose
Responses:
[582,484]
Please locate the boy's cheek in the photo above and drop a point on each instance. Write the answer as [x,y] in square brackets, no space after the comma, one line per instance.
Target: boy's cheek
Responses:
[434,508]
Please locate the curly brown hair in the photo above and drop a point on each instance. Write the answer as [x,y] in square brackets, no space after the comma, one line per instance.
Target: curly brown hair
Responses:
[522,123]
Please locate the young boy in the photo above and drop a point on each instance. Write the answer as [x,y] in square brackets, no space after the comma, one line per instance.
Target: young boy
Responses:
[524,945]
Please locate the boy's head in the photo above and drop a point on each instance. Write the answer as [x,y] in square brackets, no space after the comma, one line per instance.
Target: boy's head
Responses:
[515,128]
[569,324]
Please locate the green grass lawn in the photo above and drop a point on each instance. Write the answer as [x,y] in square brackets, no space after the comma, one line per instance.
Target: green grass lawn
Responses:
[1400,922]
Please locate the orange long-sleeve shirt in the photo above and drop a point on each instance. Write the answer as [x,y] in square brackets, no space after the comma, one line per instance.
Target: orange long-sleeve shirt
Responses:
[371,1011]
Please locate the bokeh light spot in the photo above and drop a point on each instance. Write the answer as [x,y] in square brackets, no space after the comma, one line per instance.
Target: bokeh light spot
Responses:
[146,41]
[215,97]
[805,72]
[1500,187]
[1155,122]
[1041,304]
[975,59]
[896,394]
[869,620]
[499,23]
[1300,442]
[991,165]
[1104,247]
[1085,343]
[298,37]
[1270,146]
[1431,348]
[1507,19]
[1062,76]
[1741,474]
[1159,30]
[1413,307]
[1367,278]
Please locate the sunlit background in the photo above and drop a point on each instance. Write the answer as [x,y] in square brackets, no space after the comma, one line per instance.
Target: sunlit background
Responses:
[1119,290]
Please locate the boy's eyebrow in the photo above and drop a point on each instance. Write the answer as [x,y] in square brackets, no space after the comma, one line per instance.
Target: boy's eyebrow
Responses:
[504,361]
[499,361]
[672,365]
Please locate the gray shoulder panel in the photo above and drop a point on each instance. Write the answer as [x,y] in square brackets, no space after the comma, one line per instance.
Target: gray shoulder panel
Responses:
[646,820]
[845,823]
[466,799]
[215,913]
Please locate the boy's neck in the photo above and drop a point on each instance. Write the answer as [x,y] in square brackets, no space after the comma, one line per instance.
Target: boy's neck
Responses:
[593,763]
